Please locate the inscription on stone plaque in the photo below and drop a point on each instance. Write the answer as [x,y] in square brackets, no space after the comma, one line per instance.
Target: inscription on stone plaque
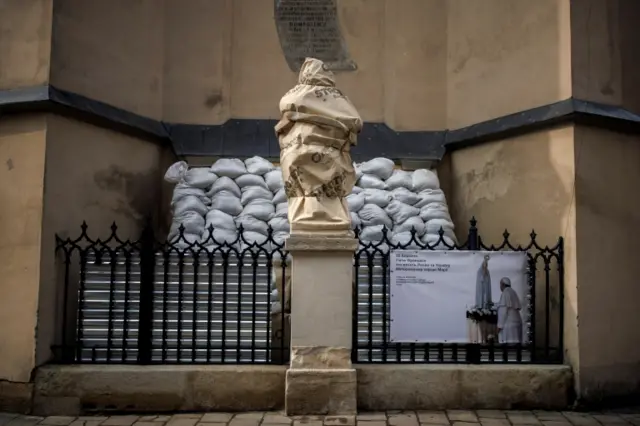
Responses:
[310,28]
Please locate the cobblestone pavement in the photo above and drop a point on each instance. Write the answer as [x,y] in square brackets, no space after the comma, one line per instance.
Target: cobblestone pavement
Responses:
[397,418]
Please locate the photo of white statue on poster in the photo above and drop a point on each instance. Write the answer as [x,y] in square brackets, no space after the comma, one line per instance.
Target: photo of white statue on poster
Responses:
[458,297]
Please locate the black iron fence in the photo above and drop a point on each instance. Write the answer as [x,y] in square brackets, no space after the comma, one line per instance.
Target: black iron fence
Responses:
[544,310]
[146,301]
[212,302]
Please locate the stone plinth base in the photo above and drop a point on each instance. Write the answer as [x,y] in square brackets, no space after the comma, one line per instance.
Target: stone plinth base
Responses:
[321,392]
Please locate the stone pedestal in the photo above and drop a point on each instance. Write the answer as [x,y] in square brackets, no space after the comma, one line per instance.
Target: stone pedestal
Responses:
[320,380]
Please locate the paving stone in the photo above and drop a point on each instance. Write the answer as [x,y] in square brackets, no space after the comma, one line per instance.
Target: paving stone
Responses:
[373,423]
[152,423]
[550,416]
[276,418]
[580,419]
[244,422]
[210,424]
[433,417]
[86,423]
[216,417]
[491,414]
[162,418]
[465,424]
[147,419]
[25,421]
[522,418]
[120,421]
[462,416]
[92,418]
[307,422]
[6,418]
[494,422]
[183,421]
[339,421]
[403,419]
[57,420]
[256,415]
[610,419]
[556,423]
[189,416]
[372,417]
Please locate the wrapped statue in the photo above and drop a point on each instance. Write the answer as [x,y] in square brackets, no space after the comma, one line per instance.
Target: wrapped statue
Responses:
[319,126]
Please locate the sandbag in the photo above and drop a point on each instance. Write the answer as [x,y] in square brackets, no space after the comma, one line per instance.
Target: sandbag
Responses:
[371,215]
[356,190]
[190,203]
[186,241]
[282,210]
[250,238]
[380,167]
[399,212]
[378,197]
[200,177]
[182,190]
[279,238]
[258,165]
[253,193]
[428,196]
[229,167]
[355,202]
[425,179]
[355,221]
[371,181]
[279,224]
[406,241]
[412,223]
[175,172]
[227,202]
[405,196]
[435,211]
[274,180]
[219,237]
[260,209]
[400,179]
[224,184]
[372,233]
[434,226]
[219,220]
[192,222]
[280,197]
[434,242]
[252,224]
[251,181]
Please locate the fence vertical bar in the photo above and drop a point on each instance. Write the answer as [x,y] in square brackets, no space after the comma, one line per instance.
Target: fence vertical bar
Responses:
[532,307]
[354,301]
[560,356]
[473,353]
[147,275]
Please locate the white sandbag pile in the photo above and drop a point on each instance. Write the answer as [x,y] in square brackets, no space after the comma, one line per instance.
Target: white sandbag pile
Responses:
[190,202]
[250,194]
[400,201]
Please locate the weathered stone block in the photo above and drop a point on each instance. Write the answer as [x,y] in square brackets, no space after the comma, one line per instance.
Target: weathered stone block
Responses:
[315,391]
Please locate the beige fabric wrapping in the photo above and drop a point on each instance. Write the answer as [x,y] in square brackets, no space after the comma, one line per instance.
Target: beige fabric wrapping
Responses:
[318,127]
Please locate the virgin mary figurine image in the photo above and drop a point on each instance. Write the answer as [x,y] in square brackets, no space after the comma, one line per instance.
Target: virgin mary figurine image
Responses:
[483,285]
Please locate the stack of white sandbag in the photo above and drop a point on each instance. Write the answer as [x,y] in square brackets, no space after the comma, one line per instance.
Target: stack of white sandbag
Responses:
[242,199]
[190,202]
[401,202]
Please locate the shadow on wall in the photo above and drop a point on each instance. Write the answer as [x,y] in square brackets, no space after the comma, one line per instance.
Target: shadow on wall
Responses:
[519,183]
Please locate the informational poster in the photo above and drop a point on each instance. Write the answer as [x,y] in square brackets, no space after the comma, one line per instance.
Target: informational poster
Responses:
[458,296]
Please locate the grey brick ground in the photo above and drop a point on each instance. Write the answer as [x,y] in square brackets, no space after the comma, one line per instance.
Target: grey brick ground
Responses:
[391,418]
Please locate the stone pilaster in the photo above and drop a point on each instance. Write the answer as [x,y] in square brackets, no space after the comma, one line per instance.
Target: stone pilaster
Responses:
[320,379]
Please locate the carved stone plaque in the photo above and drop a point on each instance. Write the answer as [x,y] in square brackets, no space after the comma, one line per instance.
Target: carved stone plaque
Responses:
[310,28]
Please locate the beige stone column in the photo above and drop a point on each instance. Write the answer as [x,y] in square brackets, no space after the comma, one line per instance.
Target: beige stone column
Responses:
[320,379]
